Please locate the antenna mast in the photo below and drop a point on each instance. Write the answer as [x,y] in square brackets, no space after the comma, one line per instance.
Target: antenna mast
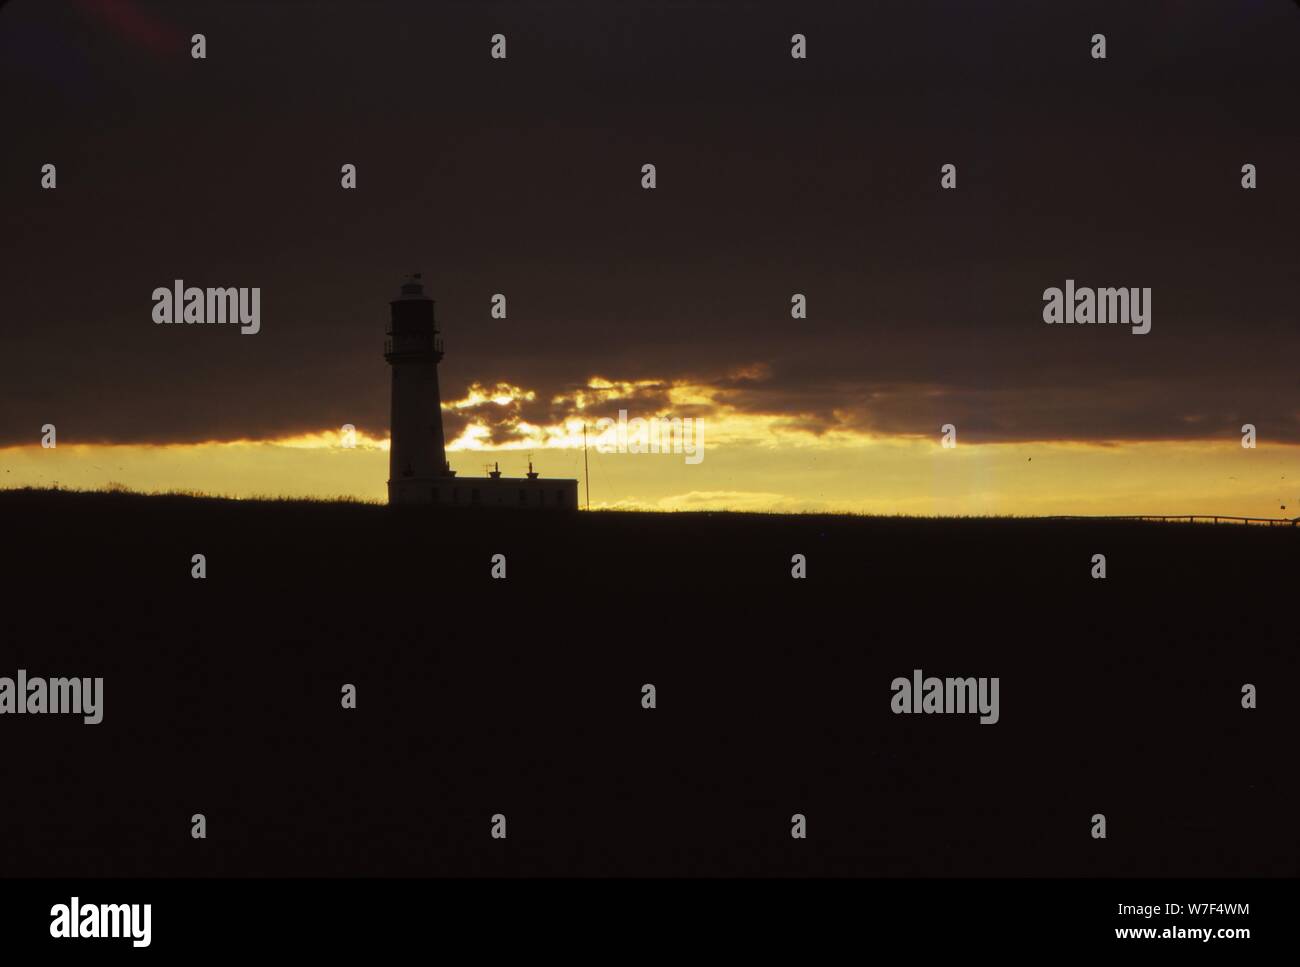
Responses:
[586,468]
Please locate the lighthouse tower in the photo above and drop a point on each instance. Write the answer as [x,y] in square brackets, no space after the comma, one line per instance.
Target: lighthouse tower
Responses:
[417,457]
[418,472]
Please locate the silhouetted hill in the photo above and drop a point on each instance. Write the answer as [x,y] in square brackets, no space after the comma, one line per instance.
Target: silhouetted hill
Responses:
[522,696]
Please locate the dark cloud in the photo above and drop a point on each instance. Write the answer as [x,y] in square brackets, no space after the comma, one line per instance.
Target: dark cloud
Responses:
[775,177]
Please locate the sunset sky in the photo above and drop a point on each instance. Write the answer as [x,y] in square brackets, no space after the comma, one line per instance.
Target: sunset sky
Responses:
[775,177]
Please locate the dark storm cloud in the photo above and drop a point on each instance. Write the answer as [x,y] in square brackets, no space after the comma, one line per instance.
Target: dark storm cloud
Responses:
[775,177]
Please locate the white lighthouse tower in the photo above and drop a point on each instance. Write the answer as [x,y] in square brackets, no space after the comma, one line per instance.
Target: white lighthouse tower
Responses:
[417,456]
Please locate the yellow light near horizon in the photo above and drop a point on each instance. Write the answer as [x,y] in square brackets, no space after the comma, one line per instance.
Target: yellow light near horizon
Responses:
[502,394]
[325,439]
[748,465]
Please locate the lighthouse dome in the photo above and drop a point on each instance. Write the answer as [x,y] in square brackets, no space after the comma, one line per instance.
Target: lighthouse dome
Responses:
[413,287]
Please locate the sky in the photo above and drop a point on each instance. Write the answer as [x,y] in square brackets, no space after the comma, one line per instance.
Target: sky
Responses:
[775,176]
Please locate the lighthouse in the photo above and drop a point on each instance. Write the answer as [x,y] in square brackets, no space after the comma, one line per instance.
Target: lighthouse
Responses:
[417,455]
[418,471]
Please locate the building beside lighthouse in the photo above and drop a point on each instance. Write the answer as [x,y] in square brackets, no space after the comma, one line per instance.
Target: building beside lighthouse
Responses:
[418,471]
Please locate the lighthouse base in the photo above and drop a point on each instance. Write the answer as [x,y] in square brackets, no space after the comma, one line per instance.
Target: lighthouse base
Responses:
[536,493]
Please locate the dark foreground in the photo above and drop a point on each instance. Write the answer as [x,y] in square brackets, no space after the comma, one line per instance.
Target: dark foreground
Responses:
[523,696]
